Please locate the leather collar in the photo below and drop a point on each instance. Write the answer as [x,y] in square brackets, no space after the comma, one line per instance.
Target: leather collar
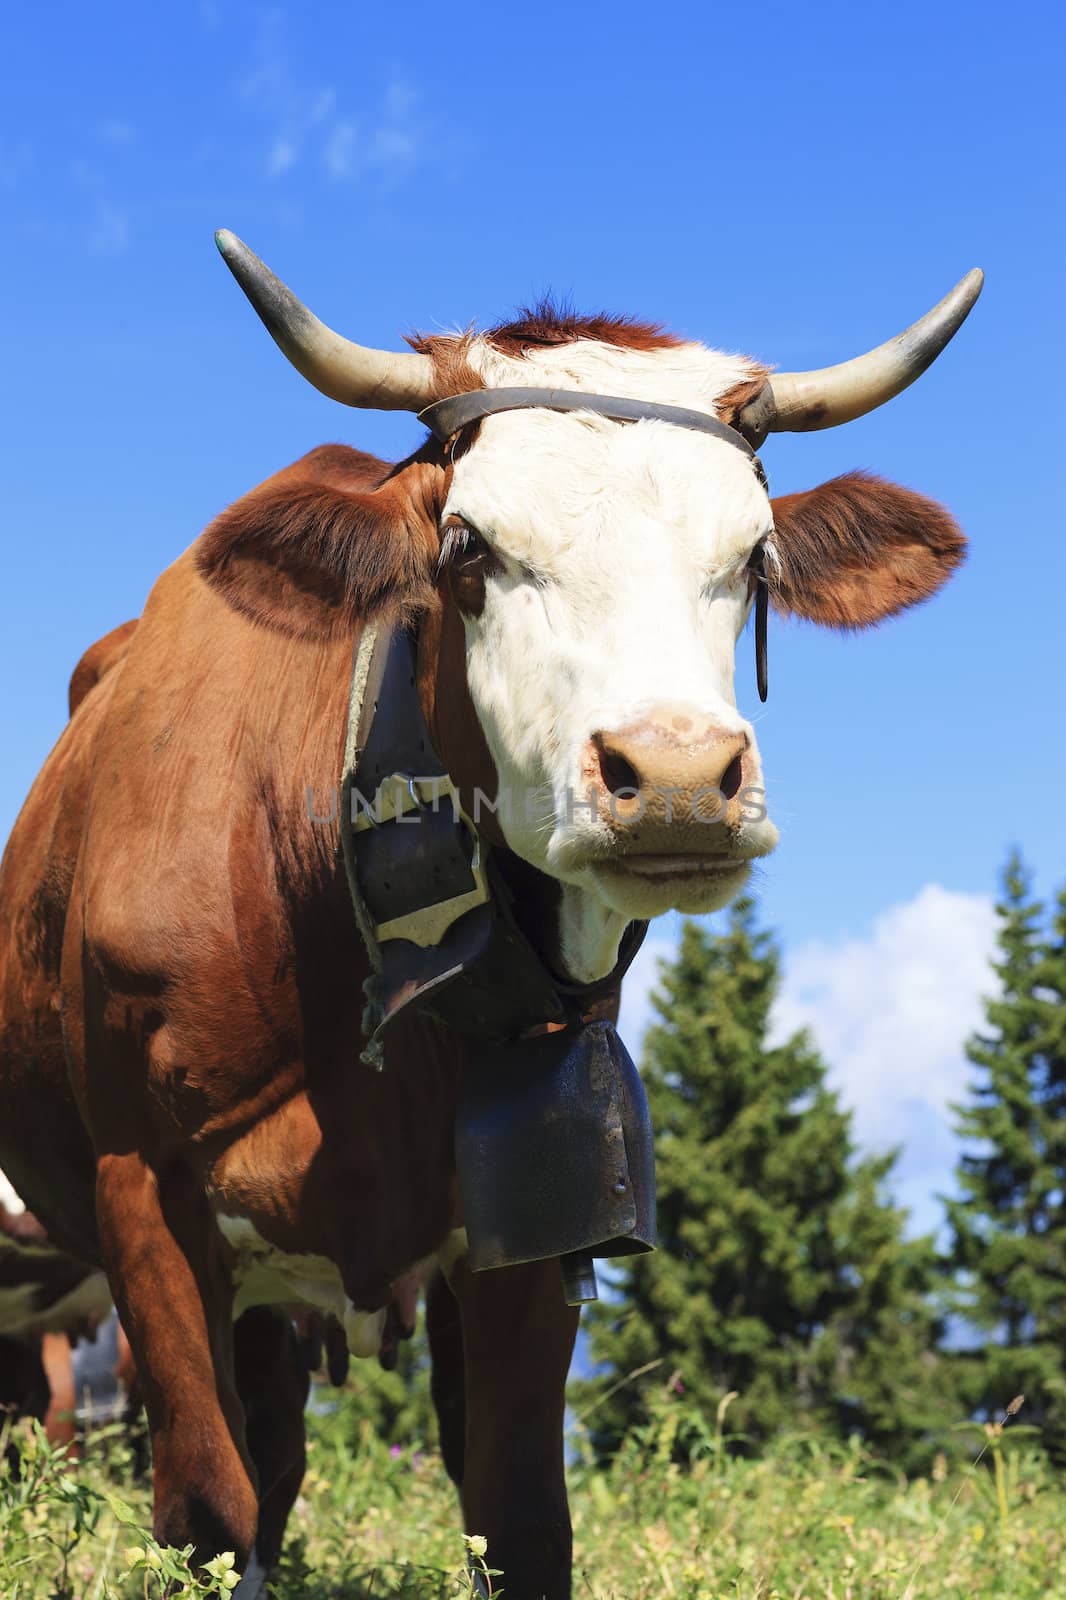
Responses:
[435,910]
[446,418]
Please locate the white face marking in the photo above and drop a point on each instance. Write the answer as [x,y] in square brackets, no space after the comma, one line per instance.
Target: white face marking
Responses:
[623,587]
[10,1201]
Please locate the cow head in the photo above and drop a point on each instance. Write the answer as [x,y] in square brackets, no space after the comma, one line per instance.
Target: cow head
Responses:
[604,572]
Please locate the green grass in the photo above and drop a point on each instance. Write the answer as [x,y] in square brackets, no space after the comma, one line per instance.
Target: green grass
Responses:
[811,1520]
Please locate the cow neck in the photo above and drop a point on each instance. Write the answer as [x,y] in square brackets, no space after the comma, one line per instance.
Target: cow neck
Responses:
[455,924]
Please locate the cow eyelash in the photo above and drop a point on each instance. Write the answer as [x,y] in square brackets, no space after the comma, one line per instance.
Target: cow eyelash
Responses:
[459,539]
[756,564]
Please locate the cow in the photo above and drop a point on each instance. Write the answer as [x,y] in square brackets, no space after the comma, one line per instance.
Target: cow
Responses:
[182,1053]
[48,1300]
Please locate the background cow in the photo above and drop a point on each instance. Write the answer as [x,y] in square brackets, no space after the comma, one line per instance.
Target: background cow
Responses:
[47,1302]
[48,1299]
[181,976]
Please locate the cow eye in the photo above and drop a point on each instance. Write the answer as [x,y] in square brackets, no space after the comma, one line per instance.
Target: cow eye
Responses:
[466,559]
[756,565]
[462,545]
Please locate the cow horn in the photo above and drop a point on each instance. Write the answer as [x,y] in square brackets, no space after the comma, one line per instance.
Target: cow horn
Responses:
[351,373]
[799,402]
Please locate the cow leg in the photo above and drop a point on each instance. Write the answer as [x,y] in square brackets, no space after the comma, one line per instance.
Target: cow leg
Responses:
[164,1258]
[57,1358]
[447,1382]
[23,1388]
[273,1383]
[518,1337]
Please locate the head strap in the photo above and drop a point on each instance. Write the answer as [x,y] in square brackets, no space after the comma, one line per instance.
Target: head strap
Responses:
[446,418]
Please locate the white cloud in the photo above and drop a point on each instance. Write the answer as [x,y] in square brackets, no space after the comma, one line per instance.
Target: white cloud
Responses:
[387,145]
[106,223]
[115,130]
[308,122]
[16,161]
[283,155]
[339,153]
[109,230]
[890,1010]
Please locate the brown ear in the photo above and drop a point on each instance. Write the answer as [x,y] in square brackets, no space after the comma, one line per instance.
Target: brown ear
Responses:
[337,537]
[858,549]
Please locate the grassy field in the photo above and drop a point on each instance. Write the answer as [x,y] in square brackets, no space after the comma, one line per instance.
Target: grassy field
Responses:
[373,1521]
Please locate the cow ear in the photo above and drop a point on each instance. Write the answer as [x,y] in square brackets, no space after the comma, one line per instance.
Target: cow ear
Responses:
[858,549]
[327,542]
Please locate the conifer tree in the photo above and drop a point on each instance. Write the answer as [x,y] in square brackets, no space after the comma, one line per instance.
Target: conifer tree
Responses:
[1009,1221]
[782,1273]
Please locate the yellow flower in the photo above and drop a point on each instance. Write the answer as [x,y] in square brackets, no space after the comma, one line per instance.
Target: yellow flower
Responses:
[223,1570]
[133,1555]
[477,1544]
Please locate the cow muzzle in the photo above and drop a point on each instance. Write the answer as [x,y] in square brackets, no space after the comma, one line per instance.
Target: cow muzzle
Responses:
[672,781]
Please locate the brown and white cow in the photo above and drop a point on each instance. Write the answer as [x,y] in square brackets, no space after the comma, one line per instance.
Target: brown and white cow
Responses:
[181,974]
[47,1301]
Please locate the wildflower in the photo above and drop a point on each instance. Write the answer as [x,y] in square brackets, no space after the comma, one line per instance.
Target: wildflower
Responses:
[477,1544]
[223,1570]
[137,1556]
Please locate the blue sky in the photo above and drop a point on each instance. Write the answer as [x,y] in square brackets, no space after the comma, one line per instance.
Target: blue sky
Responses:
[799,182]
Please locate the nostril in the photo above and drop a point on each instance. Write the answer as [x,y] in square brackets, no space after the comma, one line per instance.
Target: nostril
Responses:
[617,773]
[732,777]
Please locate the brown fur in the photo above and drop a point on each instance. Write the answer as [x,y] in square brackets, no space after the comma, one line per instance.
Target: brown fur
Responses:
[336,538]
[731,404]
[857,549]
[97,661]
[181,987]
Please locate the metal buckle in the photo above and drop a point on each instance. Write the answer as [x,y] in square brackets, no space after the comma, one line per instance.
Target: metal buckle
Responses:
[397,796]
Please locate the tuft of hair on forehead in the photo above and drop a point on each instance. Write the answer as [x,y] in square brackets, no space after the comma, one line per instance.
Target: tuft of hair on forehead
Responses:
[551,322]
[545,324]
[553,325]
[548,322]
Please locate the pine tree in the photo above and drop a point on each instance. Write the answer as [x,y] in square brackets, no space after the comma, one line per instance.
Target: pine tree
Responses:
[781,1273]
[1009,1222]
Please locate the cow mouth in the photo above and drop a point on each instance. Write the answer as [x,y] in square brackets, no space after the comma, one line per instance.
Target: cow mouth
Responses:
[646,885]
[661,870]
